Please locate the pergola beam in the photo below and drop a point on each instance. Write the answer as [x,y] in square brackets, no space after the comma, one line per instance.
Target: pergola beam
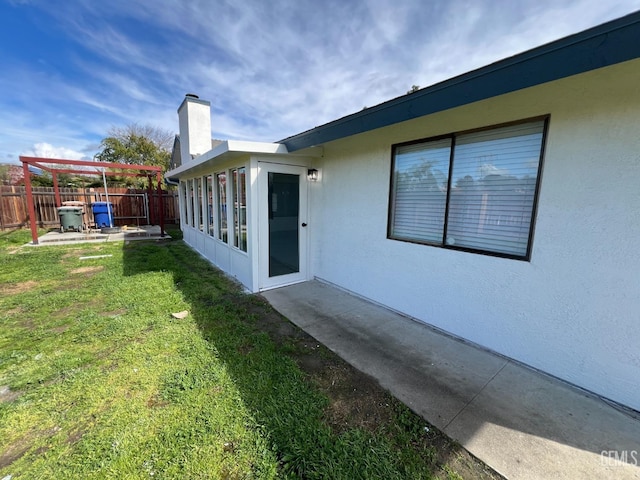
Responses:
[98,174]
[115,169]
[89,163]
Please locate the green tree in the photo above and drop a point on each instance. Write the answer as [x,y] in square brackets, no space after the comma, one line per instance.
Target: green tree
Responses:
[137,145]
[42,179]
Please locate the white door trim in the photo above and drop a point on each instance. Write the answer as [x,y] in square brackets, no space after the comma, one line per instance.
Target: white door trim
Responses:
[265,281]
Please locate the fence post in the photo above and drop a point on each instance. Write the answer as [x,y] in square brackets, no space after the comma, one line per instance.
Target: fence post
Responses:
[1,209]
[56,189]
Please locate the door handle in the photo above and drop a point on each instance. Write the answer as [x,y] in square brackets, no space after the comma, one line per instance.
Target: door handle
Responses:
[304,224]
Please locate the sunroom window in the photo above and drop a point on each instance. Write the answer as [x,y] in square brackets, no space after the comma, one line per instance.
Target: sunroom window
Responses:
[208,180]
[198,204]
[239,191]
[221,193]
[473,191]
[191,220]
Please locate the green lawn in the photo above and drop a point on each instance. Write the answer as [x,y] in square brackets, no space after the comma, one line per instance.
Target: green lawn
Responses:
[98,380]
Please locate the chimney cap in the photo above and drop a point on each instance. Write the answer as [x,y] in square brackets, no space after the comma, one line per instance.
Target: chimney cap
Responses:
[191,99]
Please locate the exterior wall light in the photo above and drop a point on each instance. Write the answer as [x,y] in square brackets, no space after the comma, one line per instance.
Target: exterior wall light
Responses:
[312,174]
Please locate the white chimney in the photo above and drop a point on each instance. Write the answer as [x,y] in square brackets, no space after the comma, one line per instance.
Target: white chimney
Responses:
[194,116]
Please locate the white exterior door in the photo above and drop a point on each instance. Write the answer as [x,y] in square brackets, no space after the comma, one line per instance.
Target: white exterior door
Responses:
[282,214]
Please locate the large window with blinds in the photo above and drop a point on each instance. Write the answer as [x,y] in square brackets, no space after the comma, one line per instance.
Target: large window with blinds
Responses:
[474,191]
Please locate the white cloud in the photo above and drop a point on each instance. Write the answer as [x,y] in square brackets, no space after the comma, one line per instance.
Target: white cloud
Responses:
[46,150]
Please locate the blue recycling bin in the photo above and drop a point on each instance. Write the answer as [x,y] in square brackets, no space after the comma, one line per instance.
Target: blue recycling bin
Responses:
[101,213]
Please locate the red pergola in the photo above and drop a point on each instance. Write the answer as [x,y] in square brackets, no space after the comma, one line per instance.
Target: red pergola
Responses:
[56,165]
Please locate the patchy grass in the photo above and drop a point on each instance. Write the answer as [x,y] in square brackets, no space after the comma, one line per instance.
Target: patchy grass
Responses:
[97,379]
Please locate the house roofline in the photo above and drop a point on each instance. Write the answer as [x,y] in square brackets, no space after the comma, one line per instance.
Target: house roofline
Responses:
[601,46]
[226,150]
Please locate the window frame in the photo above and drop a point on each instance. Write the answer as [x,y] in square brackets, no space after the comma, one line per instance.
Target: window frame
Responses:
[190,205]
[238,219]
[184,199]
[198,217]
[209,194]
[453,136]
[222,209]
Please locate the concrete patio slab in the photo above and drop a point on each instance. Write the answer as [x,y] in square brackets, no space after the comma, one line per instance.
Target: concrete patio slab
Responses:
[524,424]
[146,232]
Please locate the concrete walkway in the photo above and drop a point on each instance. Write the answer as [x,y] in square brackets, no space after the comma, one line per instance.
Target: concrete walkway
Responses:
[522,423]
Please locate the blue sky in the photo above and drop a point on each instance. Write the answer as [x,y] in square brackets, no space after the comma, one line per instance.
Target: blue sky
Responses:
[72,69]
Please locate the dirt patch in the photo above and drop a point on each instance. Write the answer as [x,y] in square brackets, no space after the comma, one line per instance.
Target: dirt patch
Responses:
[79,252]
[156,402]
[7,395]
[245,349]
[17,288]
[60,329]
[13,311]
[72,254]
[21,446]
[71,312]
[14,452]
[66,313]
[356,400]
[75,435]
[87,270]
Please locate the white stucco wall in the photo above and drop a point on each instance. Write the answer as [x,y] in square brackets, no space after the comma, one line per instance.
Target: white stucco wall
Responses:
[573,310]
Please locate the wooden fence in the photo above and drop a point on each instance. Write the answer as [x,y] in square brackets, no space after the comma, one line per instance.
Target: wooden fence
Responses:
[130,207]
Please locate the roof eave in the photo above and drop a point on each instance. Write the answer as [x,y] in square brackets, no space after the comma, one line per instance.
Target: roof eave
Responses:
[607,44]
[226,150]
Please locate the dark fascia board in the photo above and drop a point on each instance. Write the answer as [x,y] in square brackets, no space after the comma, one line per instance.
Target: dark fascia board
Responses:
[601,46]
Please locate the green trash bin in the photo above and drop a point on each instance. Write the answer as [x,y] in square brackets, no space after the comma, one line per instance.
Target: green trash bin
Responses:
[70,218]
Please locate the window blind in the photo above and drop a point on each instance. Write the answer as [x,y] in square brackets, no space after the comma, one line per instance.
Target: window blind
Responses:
[421,174]
[492,194]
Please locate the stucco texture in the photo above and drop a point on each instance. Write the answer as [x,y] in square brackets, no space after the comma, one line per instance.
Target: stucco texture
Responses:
[573,309]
